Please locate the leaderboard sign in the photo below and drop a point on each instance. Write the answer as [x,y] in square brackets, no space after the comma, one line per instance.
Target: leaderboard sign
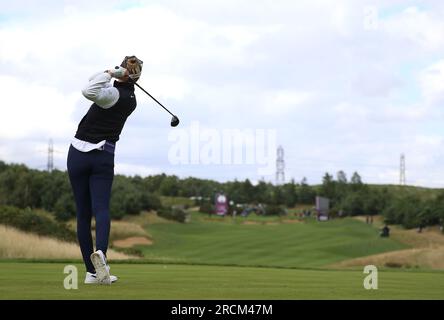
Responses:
[221,205]
[323,208]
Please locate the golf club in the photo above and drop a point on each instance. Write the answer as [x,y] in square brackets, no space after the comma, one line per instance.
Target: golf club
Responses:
[175,120]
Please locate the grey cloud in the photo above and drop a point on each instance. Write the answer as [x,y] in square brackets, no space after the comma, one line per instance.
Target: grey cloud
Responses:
[311,50]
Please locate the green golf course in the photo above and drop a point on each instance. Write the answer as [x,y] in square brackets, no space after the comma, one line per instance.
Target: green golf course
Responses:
[242,258]
[265,241]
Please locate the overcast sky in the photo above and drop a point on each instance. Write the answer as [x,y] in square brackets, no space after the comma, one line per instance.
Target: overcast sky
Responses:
[341,85]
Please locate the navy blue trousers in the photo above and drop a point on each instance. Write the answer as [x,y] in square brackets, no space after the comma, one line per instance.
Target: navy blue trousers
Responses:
[91,175]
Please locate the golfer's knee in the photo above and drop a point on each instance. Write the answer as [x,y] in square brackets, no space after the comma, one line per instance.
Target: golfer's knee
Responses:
[102,218]
[84,221]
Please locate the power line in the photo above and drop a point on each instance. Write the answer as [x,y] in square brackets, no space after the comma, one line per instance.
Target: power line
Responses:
[310,162]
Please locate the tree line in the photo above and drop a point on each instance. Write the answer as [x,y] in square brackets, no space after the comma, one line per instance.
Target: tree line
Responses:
[398,205]
[23,187]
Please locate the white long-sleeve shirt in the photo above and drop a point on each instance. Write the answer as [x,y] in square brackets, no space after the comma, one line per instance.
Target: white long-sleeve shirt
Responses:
[105,95]
[101,91]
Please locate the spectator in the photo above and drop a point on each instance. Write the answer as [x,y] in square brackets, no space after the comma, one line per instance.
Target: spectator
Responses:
[385,232]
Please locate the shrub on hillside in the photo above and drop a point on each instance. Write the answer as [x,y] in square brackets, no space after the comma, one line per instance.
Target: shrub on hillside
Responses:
[129,198]
[275,211]
[353,204]
[30,221]
[64,208]
[174,213]
[206,207]
[150,201]
[412,212]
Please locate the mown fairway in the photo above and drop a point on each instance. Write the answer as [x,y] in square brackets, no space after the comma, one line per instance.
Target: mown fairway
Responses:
[265,242]
[221,259]
[157,281]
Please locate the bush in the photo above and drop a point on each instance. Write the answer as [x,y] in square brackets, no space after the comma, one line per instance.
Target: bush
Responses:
[334,213]
[64,208]
[275,211]
[174,213]
[150,201]
[353,204]
[393,264]
[410,212]
[130,198]
[206,207]
[29,221]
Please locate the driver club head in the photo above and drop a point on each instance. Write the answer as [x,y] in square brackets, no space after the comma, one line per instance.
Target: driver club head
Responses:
[175,121]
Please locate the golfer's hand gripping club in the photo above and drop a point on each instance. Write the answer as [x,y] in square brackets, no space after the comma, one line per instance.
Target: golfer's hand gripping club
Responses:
[118,72]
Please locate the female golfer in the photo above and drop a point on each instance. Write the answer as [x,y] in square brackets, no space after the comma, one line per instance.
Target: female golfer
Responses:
[91,160]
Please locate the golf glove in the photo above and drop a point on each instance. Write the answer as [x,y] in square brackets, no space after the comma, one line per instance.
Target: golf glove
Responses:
[118,72]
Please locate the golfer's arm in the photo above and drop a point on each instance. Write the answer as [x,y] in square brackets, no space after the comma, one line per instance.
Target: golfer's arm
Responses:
[100,91]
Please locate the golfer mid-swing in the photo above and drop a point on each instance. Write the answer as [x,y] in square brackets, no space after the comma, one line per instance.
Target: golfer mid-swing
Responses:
[91,160]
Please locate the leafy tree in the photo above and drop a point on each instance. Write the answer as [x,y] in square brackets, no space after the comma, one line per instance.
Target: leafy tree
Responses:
[263,192]
[3,166]
[329,189]
[170,186]
[275,210]
[247,189]
[353,204]
[356,182]
[405,211]
[289,194]
[306,194]
[375,201]
[64,207]
[341,177]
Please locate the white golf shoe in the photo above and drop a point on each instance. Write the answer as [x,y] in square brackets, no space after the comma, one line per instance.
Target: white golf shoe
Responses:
[98,259]
[91,278]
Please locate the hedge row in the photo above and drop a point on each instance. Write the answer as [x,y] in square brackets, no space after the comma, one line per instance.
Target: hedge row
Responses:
[30,221]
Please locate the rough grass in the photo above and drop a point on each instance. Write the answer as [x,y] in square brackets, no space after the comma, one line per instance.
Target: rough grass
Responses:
[427,250]
[174,201]
[145,219]
[119,229]
[124,229]
[432,258]
[18,244]
[431,237]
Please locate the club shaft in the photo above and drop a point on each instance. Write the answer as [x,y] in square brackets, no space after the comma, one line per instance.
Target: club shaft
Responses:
[154,99]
